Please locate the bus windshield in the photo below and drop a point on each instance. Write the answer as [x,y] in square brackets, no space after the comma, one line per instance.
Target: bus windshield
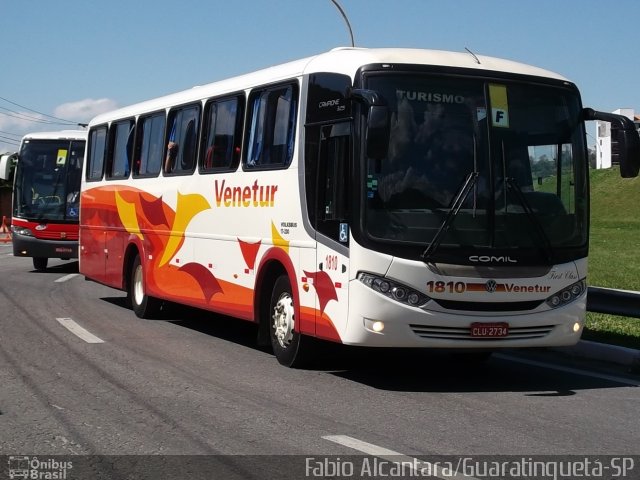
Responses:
[47,182]
[521,143]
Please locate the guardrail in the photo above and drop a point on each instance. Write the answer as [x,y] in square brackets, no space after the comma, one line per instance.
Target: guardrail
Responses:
[613,302]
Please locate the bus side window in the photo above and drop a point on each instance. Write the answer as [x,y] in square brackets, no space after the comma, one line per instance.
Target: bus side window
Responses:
[222,141]
[182,140]
[272,127]
[149,145]
[97,149]
[120,150]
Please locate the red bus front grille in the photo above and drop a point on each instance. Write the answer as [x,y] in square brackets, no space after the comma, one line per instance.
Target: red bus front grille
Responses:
[44,235]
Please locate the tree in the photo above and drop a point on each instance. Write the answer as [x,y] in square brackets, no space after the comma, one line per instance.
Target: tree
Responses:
[593,158]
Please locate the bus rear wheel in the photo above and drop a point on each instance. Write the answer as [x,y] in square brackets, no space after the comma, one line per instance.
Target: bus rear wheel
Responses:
[142,304]
[285,339]
[40,263]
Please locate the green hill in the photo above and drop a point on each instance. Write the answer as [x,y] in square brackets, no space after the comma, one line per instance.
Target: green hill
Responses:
[614,254]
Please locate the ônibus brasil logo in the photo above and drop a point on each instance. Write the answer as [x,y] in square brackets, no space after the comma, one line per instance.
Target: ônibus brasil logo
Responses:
[25,467]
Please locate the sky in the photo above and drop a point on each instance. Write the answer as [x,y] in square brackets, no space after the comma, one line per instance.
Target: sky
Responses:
[74,59]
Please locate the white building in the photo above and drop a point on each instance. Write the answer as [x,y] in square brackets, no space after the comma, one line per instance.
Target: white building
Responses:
[606,154]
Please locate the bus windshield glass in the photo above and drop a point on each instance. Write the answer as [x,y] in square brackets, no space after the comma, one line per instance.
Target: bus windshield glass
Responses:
[47,180]
[522,143]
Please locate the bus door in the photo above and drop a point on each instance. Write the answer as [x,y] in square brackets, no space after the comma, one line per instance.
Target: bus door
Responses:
[332,229]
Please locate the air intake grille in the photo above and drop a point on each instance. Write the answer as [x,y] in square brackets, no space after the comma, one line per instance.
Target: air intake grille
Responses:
[52,235]
[488,306]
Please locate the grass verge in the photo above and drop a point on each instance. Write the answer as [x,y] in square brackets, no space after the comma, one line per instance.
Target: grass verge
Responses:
[611,329]
[614,253]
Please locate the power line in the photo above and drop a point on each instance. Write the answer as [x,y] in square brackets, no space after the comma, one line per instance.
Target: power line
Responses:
[21,116]
[9,141]
[12,134]
[35,111]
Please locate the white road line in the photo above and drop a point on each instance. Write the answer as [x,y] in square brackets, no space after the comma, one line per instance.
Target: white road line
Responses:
[79,331]
[67,277]
[411,463]
[575,371]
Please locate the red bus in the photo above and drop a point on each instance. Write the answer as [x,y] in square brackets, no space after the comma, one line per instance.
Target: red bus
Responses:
[46,199]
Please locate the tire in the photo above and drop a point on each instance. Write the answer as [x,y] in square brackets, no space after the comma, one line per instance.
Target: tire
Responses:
[40,263]
[286,341]
[143,305]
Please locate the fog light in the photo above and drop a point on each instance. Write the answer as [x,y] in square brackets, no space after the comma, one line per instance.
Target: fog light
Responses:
[375,326]
[576,327]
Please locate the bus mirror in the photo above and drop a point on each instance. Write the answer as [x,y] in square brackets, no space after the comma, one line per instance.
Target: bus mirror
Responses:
[7,163]
[377,135]
[625,136]
[629,151]
[377,130]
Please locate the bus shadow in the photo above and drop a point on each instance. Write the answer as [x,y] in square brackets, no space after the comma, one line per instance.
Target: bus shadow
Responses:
[117,301]
[397,370]
[429,371]
[67,267]
[209,323]
[216,325]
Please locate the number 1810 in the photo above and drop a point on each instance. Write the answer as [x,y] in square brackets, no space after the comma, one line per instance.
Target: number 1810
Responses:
[449,287]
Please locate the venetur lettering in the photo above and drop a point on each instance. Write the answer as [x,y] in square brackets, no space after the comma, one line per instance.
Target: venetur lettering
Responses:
[244,196]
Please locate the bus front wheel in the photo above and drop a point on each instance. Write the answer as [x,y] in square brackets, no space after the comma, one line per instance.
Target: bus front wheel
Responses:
[142,304]
[285,339]
[40,263]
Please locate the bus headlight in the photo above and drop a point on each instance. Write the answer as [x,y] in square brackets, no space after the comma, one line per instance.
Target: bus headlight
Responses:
[567,295]
[21,231]
[394,290]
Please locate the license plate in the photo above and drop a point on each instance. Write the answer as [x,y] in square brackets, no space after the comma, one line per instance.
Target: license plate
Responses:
[489,330]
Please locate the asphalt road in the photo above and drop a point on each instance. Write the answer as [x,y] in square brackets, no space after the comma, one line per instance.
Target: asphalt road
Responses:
[193,383]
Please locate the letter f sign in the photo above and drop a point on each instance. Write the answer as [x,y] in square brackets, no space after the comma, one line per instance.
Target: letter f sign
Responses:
[499,106]
[500,118]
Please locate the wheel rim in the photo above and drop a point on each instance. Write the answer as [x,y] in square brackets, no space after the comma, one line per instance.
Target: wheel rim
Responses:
[284,320]
[138,287]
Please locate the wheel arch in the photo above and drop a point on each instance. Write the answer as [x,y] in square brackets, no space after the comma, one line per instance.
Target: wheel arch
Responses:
[274,263]
[134,247]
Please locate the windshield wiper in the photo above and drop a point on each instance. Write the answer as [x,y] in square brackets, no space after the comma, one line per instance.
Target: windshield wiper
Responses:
[461,196]
[546,247]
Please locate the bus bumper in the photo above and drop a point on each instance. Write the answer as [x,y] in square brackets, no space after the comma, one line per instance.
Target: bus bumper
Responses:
[26,246]
[426,327]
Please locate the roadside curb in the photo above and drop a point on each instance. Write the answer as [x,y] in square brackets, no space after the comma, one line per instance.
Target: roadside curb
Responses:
[629,357]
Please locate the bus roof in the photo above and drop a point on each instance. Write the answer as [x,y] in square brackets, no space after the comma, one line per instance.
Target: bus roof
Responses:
[344,60]
[59,135]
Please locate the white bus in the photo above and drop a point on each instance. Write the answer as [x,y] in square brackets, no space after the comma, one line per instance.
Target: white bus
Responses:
[378,197]
[46,195]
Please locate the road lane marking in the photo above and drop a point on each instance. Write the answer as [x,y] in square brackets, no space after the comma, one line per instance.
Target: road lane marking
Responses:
[575,371]
[67,277]
[392,456]
[79,331]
